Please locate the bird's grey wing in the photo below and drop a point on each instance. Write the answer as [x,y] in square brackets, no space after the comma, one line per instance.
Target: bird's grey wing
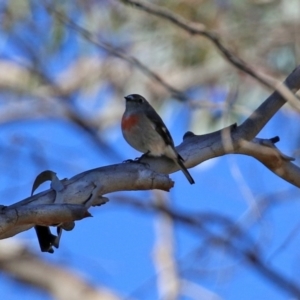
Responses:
[160,127]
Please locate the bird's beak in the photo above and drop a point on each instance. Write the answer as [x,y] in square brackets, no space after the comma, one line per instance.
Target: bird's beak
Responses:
[128,98]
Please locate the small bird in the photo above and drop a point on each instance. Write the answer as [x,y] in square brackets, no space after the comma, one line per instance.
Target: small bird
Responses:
[144,130]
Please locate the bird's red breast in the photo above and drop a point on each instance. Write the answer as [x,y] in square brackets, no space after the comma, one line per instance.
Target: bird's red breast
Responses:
[129,121]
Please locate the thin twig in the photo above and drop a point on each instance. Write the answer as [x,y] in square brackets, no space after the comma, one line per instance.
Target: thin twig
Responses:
[117,53]
[200,29]
[196,29]
[200,224]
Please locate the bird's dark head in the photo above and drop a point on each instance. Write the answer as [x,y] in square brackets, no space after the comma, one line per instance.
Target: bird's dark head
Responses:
[135,98]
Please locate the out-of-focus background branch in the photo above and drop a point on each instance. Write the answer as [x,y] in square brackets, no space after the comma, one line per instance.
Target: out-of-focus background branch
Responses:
[64,70]
[27,268]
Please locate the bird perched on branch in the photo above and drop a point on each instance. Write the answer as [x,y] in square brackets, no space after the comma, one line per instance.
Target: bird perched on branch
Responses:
[144,130]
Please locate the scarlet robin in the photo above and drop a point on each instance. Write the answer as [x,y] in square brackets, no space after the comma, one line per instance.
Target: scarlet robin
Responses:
[144,130]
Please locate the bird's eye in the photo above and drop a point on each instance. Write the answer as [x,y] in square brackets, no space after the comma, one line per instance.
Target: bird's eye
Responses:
[140,100]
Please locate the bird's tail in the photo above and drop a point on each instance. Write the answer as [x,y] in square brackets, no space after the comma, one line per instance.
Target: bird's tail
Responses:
[180,161]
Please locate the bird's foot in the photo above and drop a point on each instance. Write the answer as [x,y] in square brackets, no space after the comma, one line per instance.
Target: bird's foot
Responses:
[137,160]
[128,161]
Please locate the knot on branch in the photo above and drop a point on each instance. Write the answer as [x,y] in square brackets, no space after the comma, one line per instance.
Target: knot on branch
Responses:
[266,152]
[188,134]
[270,143]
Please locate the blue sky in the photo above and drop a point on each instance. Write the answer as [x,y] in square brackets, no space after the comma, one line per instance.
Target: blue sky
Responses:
[115,247]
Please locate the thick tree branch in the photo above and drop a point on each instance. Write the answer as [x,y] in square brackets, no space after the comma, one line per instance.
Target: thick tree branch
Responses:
[85,189]
[259,118]
[134,176]
[45,215]
[265,152]
[194,149]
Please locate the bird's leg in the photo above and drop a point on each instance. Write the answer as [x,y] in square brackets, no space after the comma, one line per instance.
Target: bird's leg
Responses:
[128,160]
[138,159]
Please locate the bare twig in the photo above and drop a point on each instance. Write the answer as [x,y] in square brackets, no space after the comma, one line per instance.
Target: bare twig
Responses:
[117,52]
[235,247]
[24,266]
[200,29]
[195,29]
